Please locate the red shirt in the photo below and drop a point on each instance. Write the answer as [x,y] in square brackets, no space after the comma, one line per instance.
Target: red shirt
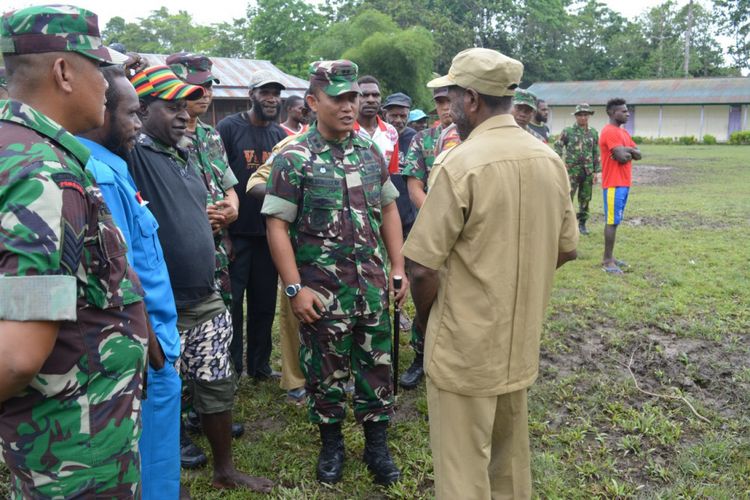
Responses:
[614,173]
[386,138]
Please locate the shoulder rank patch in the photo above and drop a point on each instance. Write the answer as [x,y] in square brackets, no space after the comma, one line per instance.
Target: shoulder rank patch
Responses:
[66,180]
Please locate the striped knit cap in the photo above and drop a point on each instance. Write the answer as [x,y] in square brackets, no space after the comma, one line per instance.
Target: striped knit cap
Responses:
[162,83]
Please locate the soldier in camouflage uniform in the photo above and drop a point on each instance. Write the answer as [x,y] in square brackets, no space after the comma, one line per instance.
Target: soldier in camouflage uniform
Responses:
[204,143]
[524,108]
[3,84]
[73,330]
[331,218]
[579,147]
[419,161]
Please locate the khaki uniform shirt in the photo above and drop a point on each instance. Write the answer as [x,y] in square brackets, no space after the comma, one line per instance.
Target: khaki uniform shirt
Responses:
[495,218]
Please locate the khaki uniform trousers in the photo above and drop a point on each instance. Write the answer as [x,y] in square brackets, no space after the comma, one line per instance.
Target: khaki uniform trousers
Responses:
[480,445]
[291,373]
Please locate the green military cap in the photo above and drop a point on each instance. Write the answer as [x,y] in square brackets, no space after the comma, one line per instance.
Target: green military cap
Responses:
[334,77]
[55,28]
[485,70]
[192,68]
[583,108]
[523,96]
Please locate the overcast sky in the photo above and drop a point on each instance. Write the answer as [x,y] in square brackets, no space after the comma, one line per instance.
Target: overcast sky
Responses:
[208,12]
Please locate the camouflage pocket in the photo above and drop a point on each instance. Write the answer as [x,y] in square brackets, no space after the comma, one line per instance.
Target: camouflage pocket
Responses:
[322,209]
[372,187]
[105,254]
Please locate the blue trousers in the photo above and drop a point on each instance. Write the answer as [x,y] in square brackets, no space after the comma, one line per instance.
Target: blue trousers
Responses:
[160,438]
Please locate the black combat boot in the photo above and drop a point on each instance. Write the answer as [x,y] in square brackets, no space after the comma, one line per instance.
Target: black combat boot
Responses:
[191,457]
[582,228]
[376,456]
[413,375]
[331,458]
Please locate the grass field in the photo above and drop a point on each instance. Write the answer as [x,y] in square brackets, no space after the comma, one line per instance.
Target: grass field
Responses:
[644,387]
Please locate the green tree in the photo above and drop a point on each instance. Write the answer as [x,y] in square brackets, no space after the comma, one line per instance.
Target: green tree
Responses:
[342,36]
[160,32]
[283,30]
[734,18]
[401,61]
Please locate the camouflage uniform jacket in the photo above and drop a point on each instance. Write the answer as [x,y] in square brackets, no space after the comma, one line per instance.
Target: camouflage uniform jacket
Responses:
[205,145]
[332,196]
[421,155]
[73,431]
[580,147]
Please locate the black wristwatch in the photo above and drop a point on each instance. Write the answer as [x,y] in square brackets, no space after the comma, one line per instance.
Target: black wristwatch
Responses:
[292,290]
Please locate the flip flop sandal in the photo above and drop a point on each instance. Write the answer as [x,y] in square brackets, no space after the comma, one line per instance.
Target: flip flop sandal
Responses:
[612,270]
[621,263]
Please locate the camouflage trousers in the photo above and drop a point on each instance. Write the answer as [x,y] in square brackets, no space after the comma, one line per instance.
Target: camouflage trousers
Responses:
[417,338]
[330,350]
[582,182]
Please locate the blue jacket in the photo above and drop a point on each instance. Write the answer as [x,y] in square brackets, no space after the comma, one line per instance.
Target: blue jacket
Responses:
[145,255]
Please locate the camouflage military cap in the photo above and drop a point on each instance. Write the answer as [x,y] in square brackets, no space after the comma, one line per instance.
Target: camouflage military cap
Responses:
[583,108]
[524,97]
[334,77]
[55,28]
[192,68]
[485,70]
[162,83]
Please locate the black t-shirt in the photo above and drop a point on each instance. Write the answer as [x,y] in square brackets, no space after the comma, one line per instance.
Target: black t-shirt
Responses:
[177,197]
[248,147]
[406,208]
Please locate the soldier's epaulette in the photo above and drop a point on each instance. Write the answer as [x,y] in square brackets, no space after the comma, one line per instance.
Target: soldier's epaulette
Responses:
[67,180]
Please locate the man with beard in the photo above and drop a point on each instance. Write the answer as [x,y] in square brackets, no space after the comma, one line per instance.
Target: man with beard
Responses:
[524,107]
[331,220]
[109,144]
[170,182]
[496,224]
[73,327]
[249,138]
[296,115]
[369,124]
[539,123]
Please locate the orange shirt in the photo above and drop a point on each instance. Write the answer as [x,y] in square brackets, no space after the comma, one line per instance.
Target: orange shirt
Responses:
[614,173]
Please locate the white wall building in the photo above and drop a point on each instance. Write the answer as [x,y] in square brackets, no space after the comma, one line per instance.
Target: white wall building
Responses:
[658,108]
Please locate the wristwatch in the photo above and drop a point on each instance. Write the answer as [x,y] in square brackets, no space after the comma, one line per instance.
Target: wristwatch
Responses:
[292,290]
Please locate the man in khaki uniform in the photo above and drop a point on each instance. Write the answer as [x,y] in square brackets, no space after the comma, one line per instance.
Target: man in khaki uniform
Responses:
[292,379]
[497,222]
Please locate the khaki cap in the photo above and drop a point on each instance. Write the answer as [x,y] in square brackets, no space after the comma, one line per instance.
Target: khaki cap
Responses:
[485,70]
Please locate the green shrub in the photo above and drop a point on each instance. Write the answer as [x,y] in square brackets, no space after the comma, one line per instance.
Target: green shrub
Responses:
[663,140]
[638,139]
[709,139]
[742,137]
[687,140]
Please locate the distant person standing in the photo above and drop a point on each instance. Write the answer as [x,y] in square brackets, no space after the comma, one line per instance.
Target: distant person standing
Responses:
[524,108]
[249,138]
[417,120]
[578,145]
[296,115]
[397,108]
[369,124]
[618,152]
[421,154]
[539,123]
